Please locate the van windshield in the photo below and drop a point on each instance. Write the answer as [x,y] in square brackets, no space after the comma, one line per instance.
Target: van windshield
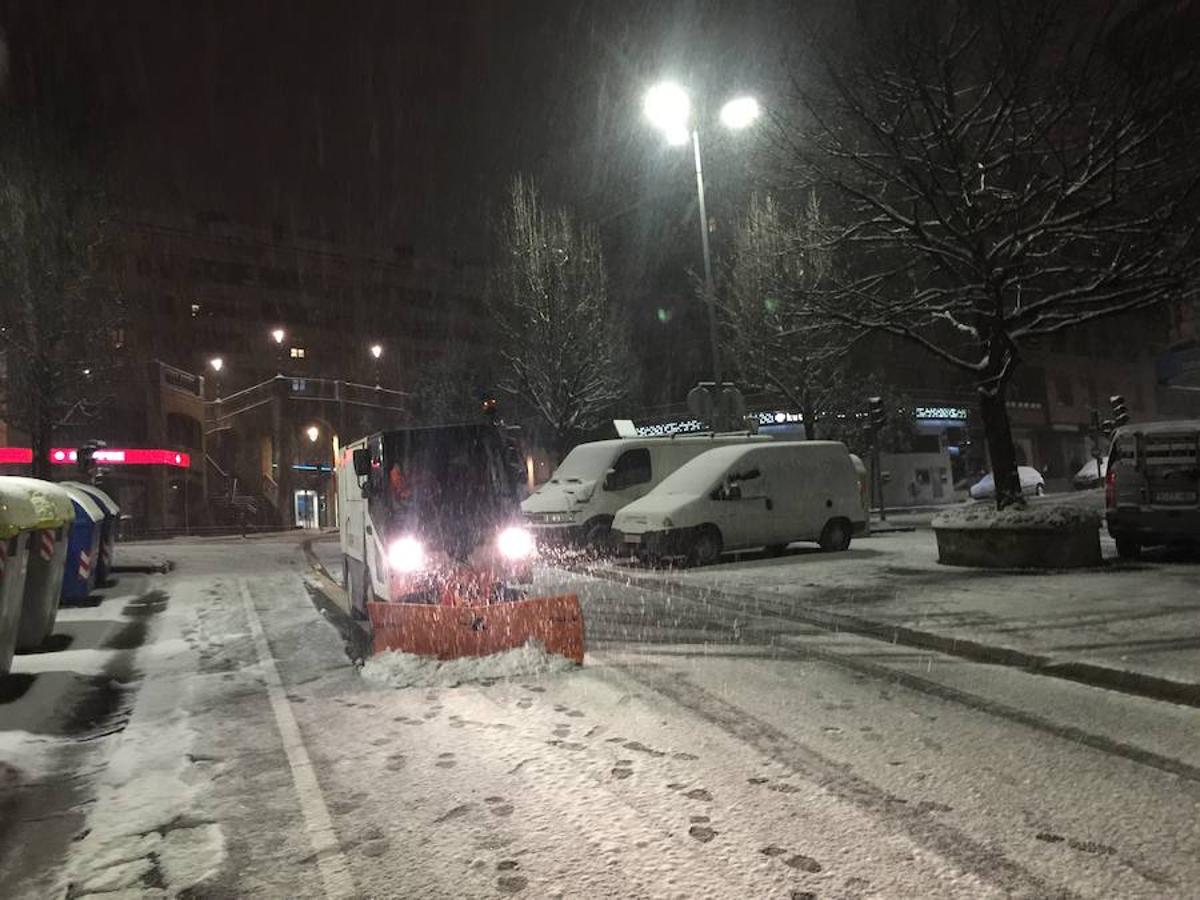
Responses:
[585,463]
[699,476]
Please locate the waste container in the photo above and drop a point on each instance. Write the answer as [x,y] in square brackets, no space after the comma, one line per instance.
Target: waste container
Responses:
[108,534]
[83,547]
[18,520]
[47,557]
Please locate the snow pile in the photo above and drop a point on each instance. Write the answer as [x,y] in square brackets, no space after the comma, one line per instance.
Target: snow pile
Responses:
[144,825]
[396,669]
[1042,517]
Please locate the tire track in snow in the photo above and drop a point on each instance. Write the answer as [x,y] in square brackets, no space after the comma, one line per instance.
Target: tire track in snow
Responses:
[331,860]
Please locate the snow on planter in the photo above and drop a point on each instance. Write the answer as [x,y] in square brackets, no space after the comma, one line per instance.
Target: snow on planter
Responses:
[1042,536]
[399,670]
[1042,517]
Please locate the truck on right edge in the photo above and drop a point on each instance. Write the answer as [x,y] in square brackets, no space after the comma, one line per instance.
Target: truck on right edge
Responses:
[1152,486]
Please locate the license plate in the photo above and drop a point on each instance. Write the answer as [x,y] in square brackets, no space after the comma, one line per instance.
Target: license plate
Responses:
[1174,497]
[633,538]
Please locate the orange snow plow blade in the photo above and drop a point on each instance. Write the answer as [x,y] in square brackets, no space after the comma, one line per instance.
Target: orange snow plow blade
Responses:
[449,632]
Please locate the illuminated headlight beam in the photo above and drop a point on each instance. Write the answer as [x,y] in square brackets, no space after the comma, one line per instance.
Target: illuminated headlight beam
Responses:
[516,543]
[406,554]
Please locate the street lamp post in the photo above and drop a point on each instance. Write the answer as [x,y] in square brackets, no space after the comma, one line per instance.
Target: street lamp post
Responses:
[376,353]
[217,364]
[668,108]
[277,335]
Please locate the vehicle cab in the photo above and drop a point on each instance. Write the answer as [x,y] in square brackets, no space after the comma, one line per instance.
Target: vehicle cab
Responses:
[426,510]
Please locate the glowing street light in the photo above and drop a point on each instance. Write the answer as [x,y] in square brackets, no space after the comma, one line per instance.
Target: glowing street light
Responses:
[377,350]
[668,108]
[739,113]
[277,335]
[217,364]
[313,433]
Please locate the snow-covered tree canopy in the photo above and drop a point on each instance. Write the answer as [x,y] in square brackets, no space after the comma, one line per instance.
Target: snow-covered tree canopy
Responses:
[995,172]
[548,296]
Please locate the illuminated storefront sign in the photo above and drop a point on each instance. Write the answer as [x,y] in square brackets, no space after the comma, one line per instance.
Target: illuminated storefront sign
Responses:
[942,412]
[65,456]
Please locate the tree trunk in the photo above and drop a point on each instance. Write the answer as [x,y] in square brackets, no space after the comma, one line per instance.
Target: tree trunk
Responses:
[998,432]
[809,414]
[41,436]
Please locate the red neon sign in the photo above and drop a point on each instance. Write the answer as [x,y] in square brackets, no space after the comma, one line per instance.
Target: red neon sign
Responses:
[64,456]
[22,456]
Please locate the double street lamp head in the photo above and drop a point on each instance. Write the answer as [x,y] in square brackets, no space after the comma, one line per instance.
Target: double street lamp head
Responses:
[669,109]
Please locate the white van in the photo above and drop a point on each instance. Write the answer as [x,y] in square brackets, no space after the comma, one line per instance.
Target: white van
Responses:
[733,498]
[1152,485]
[596,479]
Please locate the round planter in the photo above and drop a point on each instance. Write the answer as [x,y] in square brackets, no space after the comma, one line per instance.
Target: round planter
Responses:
[1020,548]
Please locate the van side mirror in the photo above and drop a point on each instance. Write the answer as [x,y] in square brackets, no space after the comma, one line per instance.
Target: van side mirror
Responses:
[610,481]
[362,462]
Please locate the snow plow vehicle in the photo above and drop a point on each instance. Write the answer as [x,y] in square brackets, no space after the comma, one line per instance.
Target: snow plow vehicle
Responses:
[436,555]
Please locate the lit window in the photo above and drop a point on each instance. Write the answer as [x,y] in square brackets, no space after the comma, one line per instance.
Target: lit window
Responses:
[297,353]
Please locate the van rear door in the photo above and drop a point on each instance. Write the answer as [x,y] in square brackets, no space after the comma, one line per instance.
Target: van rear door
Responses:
[1171,465]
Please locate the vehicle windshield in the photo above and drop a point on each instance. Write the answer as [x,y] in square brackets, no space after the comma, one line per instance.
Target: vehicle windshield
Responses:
[447,474]
[698,476]
[587,462]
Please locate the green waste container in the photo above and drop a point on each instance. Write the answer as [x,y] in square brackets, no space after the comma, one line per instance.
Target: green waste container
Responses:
[18,520]
[47,559]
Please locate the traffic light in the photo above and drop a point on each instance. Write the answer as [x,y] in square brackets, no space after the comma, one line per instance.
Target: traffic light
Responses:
[491,409]
[85,458]
[1120,412]
[876,413]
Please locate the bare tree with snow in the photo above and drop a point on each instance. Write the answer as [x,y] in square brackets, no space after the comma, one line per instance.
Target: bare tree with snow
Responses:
[56,328]
[561,350]
[769,285]
[996,175]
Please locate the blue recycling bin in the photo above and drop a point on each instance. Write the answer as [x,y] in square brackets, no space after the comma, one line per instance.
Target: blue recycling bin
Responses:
[83,545]
[47,558]
[18,520]
[108,533]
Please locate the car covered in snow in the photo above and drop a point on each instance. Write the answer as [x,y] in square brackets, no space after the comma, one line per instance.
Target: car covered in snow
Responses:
[1032,483]
[755,495]
[577,504]
[1091,475]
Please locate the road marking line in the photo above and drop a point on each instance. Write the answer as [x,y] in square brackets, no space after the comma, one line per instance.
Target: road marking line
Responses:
[335,868]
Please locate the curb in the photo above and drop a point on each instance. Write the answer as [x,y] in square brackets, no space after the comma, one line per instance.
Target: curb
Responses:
[1138,684]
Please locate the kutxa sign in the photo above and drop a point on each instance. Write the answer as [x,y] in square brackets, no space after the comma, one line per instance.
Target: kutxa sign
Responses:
[65,456]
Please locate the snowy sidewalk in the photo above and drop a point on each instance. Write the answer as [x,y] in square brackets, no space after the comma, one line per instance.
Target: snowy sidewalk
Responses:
[1130,626]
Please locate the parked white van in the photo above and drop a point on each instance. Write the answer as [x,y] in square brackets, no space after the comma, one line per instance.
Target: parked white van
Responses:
[596,479]
[734,498]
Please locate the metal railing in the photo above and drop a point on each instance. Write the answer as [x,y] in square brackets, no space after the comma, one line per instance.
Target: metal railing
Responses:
[328,390]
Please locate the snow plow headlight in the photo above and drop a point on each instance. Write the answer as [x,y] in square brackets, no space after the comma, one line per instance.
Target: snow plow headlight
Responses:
[406,554]
[516,543]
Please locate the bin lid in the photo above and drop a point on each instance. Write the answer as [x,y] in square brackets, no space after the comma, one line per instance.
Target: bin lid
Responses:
[51,502]
[102,499]
[17,512]
[84,501]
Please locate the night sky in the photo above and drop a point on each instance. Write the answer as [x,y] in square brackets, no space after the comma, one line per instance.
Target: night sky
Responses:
[387,122]
[397,124]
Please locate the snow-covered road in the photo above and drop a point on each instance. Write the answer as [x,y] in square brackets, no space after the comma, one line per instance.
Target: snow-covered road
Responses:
[690,757]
